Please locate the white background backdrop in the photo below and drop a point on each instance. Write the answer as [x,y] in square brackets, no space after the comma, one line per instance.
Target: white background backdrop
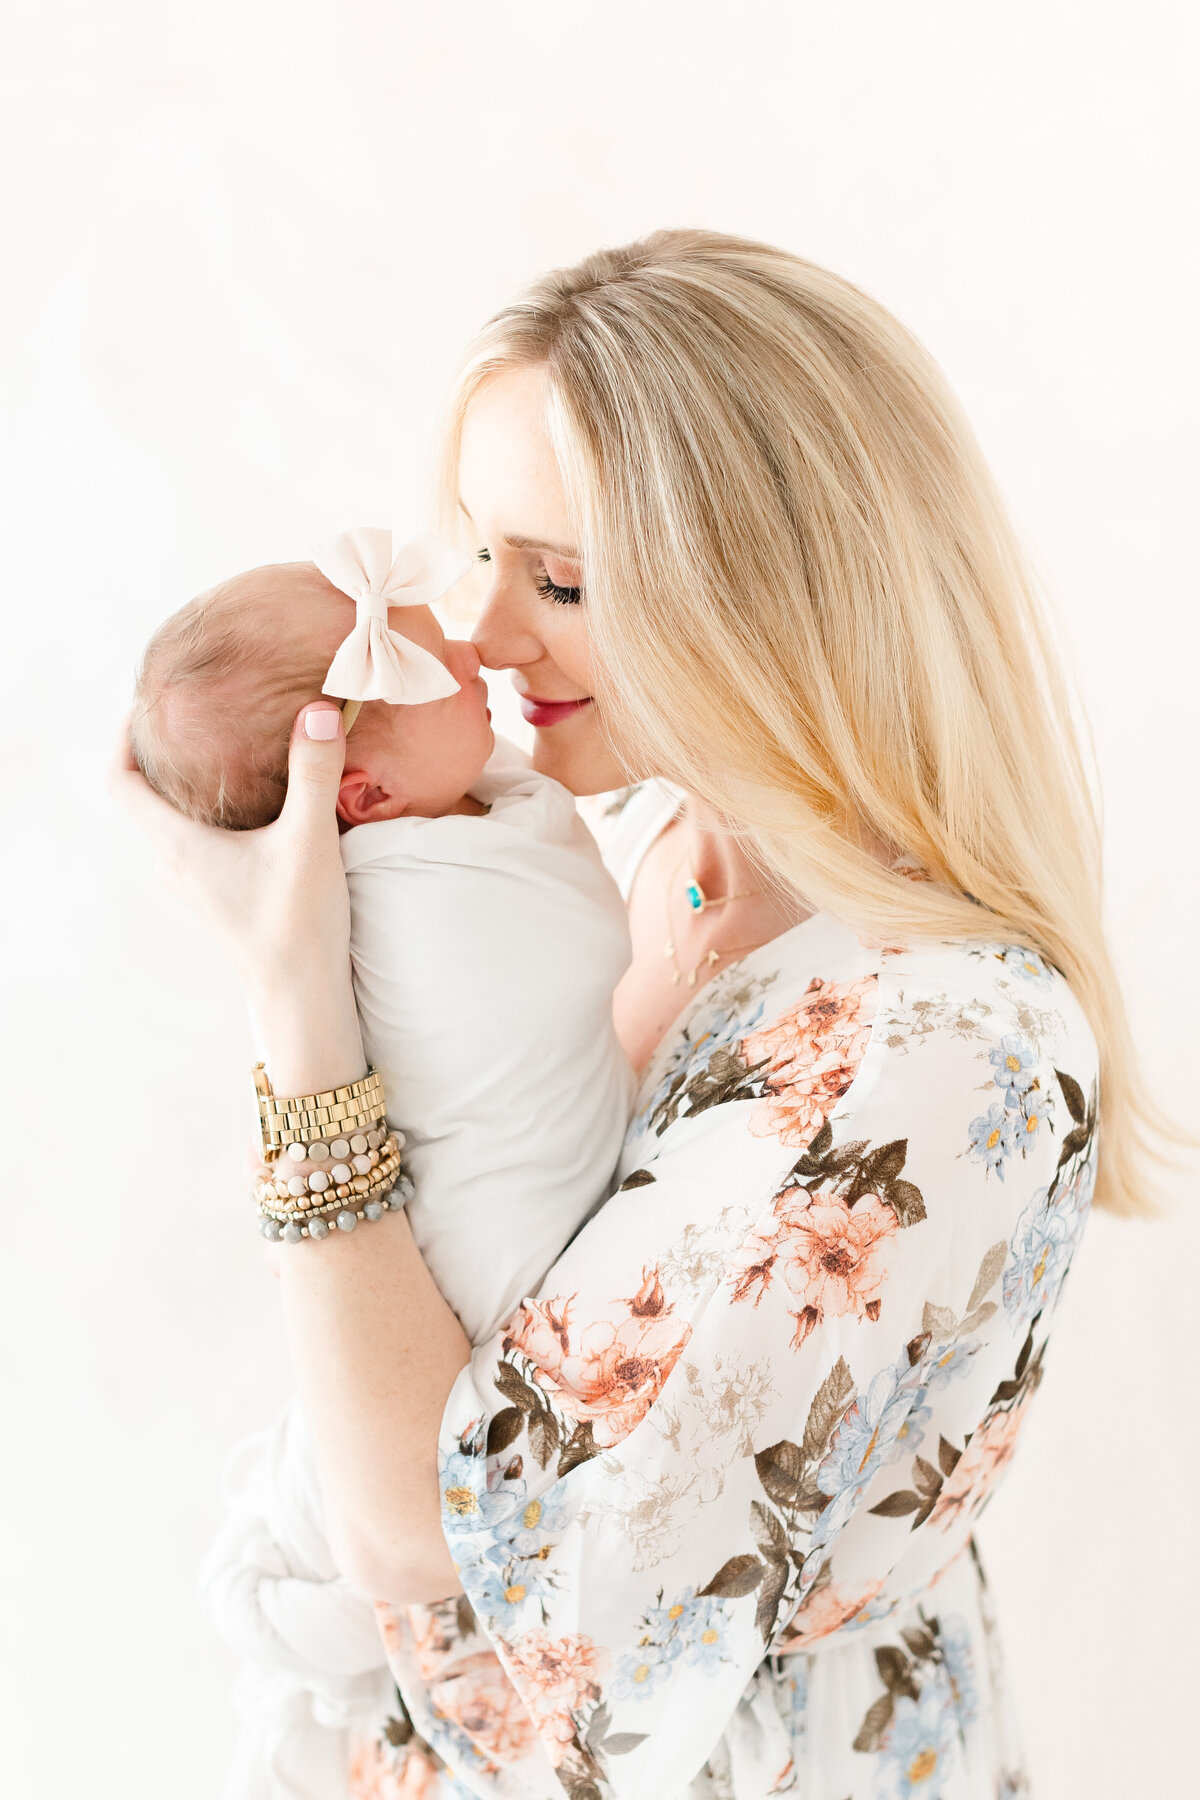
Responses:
[243,247]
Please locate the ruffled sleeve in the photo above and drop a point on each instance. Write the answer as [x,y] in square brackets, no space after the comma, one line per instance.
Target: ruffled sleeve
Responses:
[762,1394]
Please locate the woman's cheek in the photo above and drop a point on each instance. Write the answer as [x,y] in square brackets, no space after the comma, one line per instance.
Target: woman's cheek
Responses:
[569,647]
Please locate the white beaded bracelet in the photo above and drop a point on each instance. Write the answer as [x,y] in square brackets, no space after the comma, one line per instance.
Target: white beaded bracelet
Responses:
[319,1225]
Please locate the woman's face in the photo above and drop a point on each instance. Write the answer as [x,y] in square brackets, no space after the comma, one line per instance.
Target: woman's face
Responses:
[533,621]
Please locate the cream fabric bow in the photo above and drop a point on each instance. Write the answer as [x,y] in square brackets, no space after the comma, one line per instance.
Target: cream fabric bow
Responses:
[375,663]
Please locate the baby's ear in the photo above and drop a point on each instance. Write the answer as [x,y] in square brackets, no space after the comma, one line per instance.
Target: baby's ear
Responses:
[361,801]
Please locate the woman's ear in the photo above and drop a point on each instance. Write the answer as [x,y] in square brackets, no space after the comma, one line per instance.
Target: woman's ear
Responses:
[361,800]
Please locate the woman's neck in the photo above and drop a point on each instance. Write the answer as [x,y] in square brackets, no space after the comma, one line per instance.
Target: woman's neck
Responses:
[713,855]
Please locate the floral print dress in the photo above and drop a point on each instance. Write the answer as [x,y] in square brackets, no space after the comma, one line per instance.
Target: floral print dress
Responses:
[710,1493]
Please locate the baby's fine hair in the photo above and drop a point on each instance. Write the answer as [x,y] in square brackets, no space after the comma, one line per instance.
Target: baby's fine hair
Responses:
[219,686]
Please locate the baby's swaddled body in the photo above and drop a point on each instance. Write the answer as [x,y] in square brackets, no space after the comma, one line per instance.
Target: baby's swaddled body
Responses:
[485,953]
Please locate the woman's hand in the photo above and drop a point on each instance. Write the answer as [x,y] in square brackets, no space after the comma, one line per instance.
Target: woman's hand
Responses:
[276,902]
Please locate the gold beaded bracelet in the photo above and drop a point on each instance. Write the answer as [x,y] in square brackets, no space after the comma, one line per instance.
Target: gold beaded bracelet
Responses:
[300,1192]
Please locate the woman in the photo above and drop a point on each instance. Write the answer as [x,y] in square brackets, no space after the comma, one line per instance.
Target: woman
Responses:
[709,1495]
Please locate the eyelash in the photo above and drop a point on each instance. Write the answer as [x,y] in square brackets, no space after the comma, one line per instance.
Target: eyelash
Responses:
[549,590]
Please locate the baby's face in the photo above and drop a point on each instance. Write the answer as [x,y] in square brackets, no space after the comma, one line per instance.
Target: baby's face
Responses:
[418,760]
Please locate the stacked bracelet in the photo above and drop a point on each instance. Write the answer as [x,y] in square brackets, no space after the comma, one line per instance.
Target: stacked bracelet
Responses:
[331,1160]
[337,1113]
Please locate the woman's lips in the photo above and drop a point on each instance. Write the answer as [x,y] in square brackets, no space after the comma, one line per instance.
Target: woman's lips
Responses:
[541,713]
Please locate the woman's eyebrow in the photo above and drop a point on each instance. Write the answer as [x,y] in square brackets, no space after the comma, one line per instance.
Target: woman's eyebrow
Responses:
[524,543]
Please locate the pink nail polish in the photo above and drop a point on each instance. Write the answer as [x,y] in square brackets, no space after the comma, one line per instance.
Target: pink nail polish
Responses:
[322,725]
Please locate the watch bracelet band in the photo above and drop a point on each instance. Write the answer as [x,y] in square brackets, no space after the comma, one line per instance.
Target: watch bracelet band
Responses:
[298,1119]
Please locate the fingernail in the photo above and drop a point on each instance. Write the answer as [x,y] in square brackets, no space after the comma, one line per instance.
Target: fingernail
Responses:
[322,723]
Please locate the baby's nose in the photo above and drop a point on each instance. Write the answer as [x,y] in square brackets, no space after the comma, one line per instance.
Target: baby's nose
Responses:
[468,659]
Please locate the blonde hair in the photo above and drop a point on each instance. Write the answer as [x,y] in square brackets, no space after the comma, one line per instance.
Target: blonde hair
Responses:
[808,607]
[217,689]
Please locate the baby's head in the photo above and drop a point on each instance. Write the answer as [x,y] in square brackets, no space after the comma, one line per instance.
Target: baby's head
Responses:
[223,679]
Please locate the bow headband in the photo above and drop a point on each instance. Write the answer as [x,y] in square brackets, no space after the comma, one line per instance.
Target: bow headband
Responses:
[375,663]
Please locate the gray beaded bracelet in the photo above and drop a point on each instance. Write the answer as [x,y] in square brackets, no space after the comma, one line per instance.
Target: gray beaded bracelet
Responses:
[341,1218]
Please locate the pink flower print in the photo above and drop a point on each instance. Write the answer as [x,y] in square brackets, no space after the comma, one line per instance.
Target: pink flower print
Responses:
[541,1333]
[477,1696]
[979,1467]
[825,1611]
[832,1257]
[556,1676]
[809,1057]
[374,1774]
[390,1630]
[615,1372]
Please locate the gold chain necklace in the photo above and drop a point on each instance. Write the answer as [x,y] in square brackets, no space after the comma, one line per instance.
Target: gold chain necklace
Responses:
[700,904]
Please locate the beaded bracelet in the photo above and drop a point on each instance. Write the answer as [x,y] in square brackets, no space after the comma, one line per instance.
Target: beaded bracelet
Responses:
[288,1206]
[343,1175]
[345,1218]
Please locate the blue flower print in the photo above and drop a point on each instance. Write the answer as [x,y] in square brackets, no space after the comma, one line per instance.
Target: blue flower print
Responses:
[467,1503]
[501,1588]
[914,1763]
[910,1430]
[1037,1106]
[1015,1065]
[712,1028]
[795,1695]
[676,1620]
[946,1361]
[870,1614]
[704,1647]
[868,1436]
[955,1640]
[539,1524]
[1042,1247]
[643,1670]
[994,1137]
[1028,964]
[690,1630]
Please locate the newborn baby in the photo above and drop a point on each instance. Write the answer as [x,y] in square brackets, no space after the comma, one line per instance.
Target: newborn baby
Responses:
[486,940]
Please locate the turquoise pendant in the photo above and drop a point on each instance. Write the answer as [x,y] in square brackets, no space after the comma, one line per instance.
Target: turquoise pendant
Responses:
[695,896]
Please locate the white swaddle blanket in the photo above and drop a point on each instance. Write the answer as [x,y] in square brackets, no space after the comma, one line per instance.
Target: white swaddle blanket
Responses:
[485,954]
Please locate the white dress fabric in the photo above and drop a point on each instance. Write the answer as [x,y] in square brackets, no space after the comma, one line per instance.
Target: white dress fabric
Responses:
[710,1493]
[485,954]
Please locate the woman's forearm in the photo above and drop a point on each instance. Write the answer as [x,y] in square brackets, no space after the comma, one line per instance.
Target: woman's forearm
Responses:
[376,1351]
[374,1346]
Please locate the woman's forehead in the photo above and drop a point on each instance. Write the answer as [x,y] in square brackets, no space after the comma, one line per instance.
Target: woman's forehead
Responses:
[509,480]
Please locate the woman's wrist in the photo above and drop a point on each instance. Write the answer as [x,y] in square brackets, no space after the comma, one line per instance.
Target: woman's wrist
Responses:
[310,1036]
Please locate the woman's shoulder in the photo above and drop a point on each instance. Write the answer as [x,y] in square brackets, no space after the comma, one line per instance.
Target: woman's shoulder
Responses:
[825,1021]
[975,995]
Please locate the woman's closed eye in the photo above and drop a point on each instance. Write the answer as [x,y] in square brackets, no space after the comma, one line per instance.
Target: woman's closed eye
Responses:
[548,589]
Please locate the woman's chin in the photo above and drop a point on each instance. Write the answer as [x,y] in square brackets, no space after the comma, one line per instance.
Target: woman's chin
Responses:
[581,761]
